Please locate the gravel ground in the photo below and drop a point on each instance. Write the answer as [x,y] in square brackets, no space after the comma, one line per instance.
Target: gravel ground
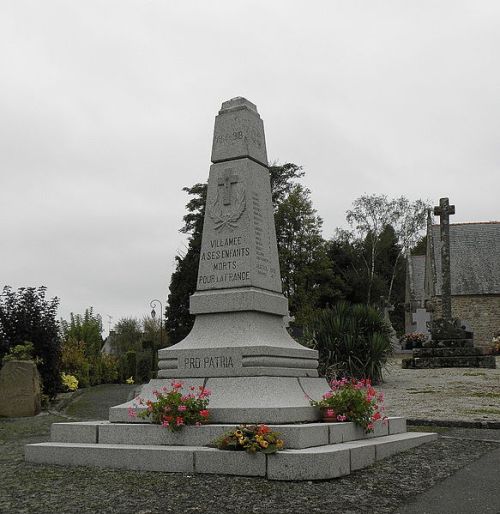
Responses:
[381,488]
[459,394]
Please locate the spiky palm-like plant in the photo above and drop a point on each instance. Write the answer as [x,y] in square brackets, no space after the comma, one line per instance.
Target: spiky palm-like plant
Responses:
[352,340]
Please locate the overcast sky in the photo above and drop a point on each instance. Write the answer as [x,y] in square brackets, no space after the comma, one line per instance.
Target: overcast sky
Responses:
[107,111]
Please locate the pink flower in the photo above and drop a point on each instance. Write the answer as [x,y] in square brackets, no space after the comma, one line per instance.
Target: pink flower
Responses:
[330,413]
[197,424]
[192,388]
[369,426]
[341,417]
[132,413]
[179,421]
[182,408]
[176,385]
[165,424]
[327,395]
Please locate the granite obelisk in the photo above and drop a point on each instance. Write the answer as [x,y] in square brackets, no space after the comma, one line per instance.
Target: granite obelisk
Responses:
[239,346]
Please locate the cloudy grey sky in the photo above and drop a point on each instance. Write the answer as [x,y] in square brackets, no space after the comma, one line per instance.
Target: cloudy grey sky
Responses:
[107,111]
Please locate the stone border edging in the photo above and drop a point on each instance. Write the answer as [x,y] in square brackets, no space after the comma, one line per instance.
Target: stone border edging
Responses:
[453,423]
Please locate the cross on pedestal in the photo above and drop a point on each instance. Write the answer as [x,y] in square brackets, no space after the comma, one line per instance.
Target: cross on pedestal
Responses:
[226,180]
[444,210]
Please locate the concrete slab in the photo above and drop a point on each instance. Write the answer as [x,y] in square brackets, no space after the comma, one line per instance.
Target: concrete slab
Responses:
[144,458]
[224,462]
[392,444]
[76,432]
[319,463]
[396,425]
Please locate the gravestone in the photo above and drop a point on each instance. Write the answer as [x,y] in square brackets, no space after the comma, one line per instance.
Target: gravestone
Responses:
[239,345]
[20,392]
[421,319]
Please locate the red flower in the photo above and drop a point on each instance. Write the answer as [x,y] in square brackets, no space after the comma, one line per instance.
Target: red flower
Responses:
[264,429]
[204,413]
[376,416]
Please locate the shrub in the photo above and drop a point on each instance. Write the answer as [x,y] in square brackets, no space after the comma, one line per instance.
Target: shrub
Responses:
[128,365]
[109,369]
[352,341]
[73,361]
[144,367]
[69,382]
[20,352]
[26,315]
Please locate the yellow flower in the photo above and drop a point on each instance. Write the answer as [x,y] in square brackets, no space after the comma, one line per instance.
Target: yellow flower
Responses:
[130,380]
[238,433]
[280,443]
[264,444]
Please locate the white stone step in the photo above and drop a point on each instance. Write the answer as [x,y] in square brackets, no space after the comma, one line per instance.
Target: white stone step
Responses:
[317,463]
[296,436]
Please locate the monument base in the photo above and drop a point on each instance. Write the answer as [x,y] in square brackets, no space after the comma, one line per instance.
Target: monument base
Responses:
[315,451]
[244,399]
[452,353]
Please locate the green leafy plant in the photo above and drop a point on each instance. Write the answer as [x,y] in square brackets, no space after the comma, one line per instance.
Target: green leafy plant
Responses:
[250,438]
[352,400]
[21,352]
[173,408]
[352,340]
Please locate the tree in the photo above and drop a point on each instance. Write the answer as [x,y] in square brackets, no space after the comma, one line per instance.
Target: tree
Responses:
[178,320]
[408,222]
[369,216]
[27,316]
[81,349]
[86,328]
[302,253]
[128,335]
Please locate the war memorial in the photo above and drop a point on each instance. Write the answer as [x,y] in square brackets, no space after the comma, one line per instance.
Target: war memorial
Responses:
[239,348]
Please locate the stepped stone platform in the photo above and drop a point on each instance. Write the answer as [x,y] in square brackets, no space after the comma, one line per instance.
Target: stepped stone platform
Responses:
[451,353]
[314,451]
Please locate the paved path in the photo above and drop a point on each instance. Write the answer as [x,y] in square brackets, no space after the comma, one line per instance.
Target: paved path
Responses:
[473,489]
[94,402]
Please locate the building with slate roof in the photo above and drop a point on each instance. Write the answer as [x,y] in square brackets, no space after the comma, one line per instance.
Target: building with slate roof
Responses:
[475,279]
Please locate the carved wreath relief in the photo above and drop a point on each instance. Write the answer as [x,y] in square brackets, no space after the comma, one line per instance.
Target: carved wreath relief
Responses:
[229,203]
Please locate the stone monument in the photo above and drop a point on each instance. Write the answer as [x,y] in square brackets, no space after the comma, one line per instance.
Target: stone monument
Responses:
[449,346]
[238,348]
[20,391]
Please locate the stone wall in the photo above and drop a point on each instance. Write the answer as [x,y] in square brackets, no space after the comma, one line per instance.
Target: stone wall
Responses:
[481,312]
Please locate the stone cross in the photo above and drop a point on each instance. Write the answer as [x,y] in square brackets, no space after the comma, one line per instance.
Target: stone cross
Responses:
[444,210]
[226,180]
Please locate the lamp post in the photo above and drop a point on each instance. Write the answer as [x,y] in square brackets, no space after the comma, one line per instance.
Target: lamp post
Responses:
[152,303]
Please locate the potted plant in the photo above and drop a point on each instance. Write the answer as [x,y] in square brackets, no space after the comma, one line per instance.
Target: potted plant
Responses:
[175,408]
[351,400]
